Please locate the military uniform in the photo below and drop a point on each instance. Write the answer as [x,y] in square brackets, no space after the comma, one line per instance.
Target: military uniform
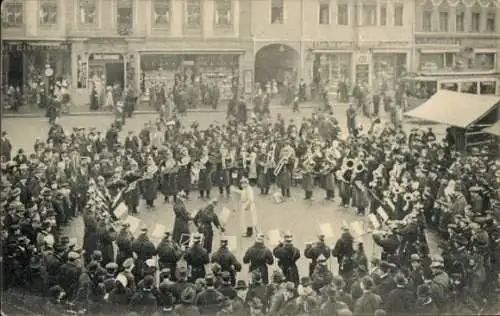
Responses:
[204,220]
[196,258]
[314,251]
[287,256]
[259,257]
[227,261]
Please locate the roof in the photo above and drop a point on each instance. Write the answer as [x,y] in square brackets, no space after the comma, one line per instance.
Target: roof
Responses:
[493,129]
[455,108]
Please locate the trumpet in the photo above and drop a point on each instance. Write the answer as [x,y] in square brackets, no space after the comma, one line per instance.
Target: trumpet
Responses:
[360,167]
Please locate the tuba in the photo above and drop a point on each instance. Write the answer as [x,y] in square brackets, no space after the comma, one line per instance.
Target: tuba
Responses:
[349,164]
[282,163]
[360,167]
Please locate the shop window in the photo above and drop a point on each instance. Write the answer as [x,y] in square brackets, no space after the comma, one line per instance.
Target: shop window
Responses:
[48,12]
[475,22]
[383,15]
[161,13]
[443,21]
[324,13]
[12,13]
[459,21]
[398,14]
[491,22]
[484,61]
[343,14]
[277,11]
[88,10]
[125,17]
[369,15]
[193,14]
[487,87]
[223,13]
[431,62]
[427,21]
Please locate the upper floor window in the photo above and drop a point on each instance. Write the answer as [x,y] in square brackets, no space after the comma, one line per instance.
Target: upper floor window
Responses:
[383,15]
[88,10]
[369,15]
[398,14]
[124,16]
[491,22]
[161,13]
[223,13]
[193,11]
[48,12]
[459,21]
[277,11]
[343,14]
[427,21]
[443,21]
[324,12]
[475,22]
[12,13]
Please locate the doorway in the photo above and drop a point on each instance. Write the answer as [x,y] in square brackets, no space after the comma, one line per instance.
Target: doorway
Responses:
[115,74]
[15,73]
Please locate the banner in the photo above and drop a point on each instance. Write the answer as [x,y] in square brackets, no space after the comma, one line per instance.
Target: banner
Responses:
[121,210]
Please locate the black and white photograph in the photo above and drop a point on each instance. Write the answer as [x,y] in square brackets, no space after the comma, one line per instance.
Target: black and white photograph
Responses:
[250,157]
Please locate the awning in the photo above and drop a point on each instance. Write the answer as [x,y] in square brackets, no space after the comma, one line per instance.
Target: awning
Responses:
[455,108]
[493,129]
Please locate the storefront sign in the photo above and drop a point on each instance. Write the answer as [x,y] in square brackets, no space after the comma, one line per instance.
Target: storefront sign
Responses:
[384,44]
[106,56]
[468,42]
[332,45]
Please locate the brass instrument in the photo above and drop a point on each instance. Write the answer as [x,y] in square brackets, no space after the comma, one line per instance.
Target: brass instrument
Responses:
[360,167]
[349,164]
[282,163]
[408,197]
[270,159]
[185,161]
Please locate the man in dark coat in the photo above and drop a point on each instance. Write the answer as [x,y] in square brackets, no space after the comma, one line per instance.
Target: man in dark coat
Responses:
[400,301]
[144,249]
[124,243]
[5,146]
[315,250]
[196,258]
[204,220]
[259,257]
[182,218]
[132,142]
[287,255]
[226,260]
[69,274]
[169,253]
[144,302]
[209,300]
[343,247]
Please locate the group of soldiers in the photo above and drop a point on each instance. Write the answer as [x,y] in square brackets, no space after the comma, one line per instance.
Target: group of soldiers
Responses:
[415,180]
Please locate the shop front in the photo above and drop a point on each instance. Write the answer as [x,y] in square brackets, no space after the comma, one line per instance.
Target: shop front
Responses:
[459,56]
[332,65]
[24,63]
[164,68]
[100,65]
[388,68]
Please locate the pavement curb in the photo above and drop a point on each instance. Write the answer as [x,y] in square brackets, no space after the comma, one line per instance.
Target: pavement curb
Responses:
[143,112]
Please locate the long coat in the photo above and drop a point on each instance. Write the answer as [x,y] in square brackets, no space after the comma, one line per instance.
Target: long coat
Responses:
[259,257]
[308,181]
[150,189]
[181,224]
[205,177]
[287,258]
[221,176]
[184,177]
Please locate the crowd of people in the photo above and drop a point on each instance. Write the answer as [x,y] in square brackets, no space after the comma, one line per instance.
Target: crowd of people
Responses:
[405,184]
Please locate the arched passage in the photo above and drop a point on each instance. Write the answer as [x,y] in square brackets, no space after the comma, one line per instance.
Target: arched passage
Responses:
[276,61]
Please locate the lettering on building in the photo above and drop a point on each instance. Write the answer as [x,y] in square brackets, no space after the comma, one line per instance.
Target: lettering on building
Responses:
[332,45]
[485,43]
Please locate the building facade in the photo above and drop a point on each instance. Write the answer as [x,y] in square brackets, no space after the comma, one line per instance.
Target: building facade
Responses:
[141,42]
[134,43]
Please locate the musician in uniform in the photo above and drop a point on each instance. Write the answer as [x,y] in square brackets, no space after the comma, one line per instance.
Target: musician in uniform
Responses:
[205,176]
[184,172]
[308,177]
[169,253]
[150,183]
[222,177]
[168,177]
[284,169]
[182,218]
[132,192]
[247,208]
[204,220]
[124,243]
[265,171]
[259,257]
[344,175]
[226,260]
[144,249]
[314,250]
[287,255]
[196,258]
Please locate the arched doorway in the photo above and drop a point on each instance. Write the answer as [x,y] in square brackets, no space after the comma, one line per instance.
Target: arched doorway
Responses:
[276,61]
